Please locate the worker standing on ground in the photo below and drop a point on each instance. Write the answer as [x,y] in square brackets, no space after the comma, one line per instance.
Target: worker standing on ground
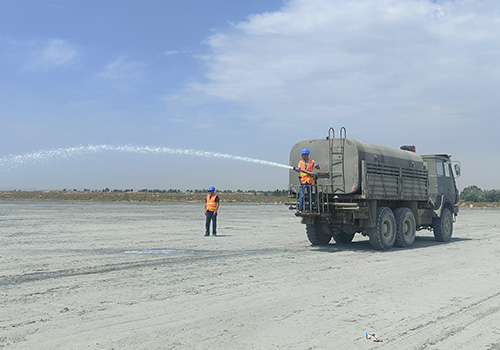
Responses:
[211,206]
[306,180]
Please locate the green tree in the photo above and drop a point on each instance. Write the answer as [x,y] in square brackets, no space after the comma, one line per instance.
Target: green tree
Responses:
[491,195]
[472,194]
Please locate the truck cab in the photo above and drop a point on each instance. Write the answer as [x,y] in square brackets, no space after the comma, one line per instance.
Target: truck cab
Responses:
[443,190]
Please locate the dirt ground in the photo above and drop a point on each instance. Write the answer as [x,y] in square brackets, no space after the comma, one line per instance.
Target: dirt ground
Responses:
[143,276]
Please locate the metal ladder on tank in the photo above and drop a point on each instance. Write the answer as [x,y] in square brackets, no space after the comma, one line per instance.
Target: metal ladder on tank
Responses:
[336,158]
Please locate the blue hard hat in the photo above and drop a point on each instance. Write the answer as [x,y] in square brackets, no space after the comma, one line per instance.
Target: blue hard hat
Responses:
[211,188]
[305,151]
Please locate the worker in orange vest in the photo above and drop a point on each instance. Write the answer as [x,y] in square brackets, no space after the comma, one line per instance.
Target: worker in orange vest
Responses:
[306,180]
[211,206]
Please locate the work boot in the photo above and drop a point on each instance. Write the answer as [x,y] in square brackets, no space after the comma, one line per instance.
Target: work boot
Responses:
[207,234]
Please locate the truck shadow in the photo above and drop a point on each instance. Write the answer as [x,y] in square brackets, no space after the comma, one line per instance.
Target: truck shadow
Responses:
[421,242]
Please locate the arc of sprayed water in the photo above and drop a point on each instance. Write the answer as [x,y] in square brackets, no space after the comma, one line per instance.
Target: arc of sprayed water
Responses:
[71,152]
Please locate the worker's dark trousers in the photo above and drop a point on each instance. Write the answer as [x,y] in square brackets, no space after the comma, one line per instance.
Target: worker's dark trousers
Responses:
[213,218]
[308,188]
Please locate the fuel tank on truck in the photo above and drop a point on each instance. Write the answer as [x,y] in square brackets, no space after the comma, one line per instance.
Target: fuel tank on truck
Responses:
[341,161]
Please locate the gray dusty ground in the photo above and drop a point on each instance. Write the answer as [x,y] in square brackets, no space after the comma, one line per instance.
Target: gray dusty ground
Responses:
[142,276]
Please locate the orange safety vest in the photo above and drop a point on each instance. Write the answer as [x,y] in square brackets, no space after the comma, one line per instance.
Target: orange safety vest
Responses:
[306,178]
[211,204]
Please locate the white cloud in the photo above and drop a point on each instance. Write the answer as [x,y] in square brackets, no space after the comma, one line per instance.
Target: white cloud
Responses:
[56,53]
[122,69]
[391,71]
[350,58]
[177,52]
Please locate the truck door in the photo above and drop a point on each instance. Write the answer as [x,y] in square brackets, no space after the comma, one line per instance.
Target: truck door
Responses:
[445,181]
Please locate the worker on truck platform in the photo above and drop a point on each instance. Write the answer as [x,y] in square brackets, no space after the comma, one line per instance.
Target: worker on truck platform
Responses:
[306,178]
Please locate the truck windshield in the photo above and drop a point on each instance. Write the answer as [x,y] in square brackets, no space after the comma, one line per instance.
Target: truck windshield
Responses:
[447,170]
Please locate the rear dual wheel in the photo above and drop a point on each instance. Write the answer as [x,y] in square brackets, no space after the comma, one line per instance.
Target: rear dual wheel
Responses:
[321,234]
[405,227]
[338,235]
[383,235]
[316,235]
[342,237]
[393,229]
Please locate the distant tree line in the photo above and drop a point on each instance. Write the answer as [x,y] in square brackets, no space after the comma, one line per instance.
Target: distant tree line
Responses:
[469,194]
[276,193]
[475,194]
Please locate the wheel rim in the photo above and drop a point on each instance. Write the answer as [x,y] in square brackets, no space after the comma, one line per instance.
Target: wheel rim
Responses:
[407,228]
[387,229]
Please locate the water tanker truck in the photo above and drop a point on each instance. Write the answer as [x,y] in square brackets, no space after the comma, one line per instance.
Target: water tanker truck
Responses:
[384,193]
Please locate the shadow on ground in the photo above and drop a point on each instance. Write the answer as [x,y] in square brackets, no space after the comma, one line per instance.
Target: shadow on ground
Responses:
[364,245]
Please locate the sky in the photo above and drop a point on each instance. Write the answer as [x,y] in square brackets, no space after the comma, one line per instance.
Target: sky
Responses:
[244,78]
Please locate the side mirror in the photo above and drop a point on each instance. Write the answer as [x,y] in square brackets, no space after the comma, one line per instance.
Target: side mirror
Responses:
[457,169]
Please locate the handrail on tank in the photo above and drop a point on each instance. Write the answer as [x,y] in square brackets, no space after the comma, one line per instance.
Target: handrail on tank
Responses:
[330,146]
[343,135]
[332,132]
[342,138]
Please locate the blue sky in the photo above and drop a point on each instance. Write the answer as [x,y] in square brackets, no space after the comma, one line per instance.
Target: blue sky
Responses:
[248,78]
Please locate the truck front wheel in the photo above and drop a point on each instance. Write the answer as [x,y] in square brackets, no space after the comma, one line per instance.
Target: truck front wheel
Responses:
[405,227]
[316,235]
[383,235]
[443,226]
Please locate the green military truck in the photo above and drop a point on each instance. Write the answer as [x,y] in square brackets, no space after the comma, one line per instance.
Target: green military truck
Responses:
[384,193]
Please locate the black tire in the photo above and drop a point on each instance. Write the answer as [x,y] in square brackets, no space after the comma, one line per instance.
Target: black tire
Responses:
[443,226]
[316,235]
[383,235]
[405,227]
[342,237]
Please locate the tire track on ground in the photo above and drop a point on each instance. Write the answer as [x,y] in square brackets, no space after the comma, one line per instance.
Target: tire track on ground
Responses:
[102,269]
[455,327]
